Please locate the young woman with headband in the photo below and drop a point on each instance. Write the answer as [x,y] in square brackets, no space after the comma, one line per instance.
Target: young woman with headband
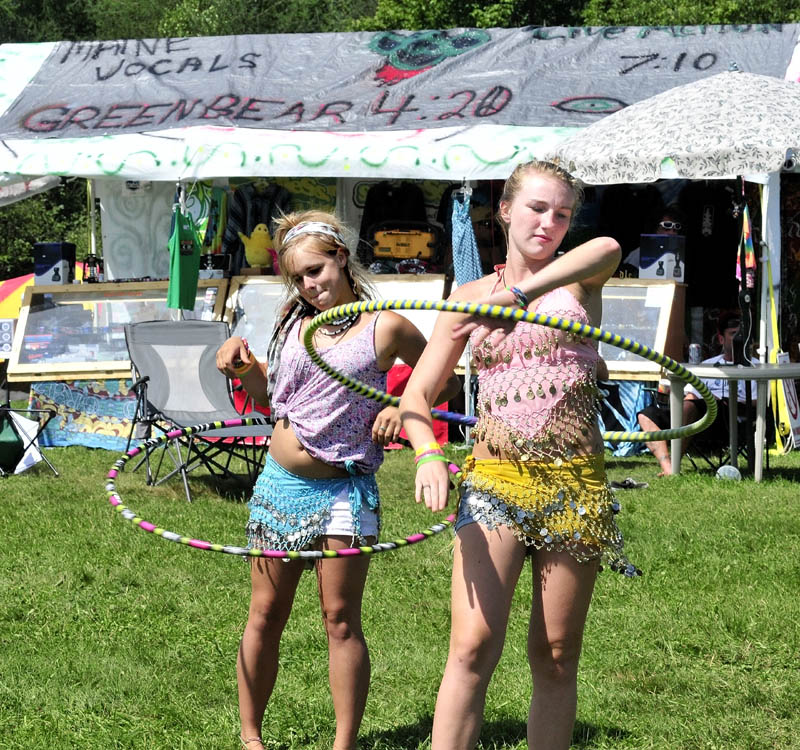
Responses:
[317,489]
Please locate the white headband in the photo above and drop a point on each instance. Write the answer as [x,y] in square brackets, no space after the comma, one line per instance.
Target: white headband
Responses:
[314,227]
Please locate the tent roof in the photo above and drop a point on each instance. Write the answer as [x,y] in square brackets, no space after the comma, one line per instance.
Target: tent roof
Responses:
[452,104]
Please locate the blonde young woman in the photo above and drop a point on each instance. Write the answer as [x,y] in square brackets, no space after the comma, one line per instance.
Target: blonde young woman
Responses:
[535,484]
[318,487]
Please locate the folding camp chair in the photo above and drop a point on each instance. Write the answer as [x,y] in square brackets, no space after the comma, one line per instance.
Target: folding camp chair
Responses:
[713,447]
[178,385]
[19,438]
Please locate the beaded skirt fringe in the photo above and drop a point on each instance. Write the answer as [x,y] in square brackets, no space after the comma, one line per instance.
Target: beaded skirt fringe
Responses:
[560,506]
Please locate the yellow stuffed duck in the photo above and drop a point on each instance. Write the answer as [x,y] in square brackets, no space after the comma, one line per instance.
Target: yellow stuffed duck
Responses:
[258,248]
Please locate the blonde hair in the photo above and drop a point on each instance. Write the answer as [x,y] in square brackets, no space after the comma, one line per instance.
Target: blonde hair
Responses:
[318,242]
[327,239]
[548,169]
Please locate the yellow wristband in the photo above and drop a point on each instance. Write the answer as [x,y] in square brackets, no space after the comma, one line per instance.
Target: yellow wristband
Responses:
[432,446]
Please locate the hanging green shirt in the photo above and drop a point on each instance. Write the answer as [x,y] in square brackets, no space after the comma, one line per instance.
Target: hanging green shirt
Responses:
[184,263]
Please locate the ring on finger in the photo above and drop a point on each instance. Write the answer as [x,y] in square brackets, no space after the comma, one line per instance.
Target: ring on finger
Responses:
[382,429]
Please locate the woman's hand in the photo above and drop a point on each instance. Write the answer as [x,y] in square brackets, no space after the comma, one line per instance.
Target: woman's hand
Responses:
[432,485]
[233,354]
[387,426]
[493,329]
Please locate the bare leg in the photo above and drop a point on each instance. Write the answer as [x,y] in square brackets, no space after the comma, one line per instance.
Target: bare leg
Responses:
[273,586]
[486,568]
[341,589]
[658,448]
[562,593]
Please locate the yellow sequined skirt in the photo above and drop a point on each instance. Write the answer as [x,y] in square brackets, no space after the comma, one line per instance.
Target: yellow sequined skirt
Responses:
[561,505]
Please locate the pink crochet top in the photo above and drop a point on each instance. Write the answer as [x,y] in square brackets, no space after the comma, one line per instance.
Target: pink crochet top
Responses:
[537,392]
[331,422]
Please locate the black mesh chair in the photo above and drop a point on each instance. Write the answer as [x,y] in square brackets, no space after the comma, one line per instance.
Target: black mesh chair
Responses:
[178,385]
[712,447]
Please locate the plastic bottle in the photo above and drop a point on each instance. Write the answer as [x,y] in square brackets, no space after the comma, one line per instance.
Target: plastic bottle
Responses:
[729,472]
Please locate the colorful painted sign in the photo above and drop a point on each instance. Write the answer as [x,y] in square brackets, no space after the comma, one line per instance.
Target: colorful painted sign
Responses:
[351,82]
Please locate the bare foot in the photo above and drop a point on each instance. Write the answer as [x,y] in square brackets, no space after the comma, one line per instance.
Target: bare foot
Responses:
[666,466]
[253,743]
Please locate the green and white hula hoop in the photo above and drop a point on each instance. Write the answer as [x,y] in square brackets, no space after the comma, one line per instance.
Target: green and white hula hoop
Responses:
[512,313]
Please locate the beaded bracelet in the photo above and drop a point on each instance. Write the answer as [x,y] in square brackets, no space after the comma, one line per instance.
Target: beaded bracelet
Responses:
[432,457]
[432,446]
[519,296]
[428,453]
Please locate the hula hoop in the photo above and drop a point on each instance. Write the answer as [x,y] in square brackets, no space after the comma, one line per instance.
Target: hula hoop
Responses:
[509,313]
[230,549]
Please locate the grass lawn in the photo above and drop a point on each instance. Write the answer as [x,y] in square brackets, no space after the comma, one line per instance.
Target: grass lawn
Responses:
[114,638]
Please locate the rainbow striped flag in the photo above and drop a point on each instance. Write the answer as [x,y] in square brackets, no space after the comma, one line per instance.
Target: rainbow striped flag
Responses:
[746,241]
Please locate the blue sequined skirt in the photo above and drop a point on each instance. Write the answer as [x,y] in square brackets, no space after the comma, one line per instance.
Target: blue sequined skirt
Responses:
[288,512]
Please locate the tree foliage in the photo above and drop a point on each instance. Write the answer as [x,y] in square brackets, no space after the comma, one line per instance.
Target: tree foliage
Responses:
[218,18]
[688,12]
[59,215]
[442,14]
[44,20]
[122,19]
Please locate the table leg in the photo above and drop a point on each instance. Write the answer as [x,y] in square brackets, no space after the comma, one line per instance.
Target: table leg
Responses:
[676,420]
[761,423]
[733,424]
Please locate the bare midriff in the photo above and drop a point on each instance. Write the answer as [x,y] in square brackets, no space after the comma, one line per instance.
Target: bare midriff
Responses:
[287,450]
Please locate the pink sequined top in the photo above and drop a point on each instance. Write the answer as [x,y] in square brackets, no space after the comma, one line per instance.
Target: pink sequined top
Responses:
[537,392]
[331,422]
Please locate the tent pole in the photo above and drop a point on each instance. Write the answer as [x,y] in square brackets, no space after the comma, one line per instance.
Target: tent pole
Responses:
[763,336]
[771,235]
[92,217]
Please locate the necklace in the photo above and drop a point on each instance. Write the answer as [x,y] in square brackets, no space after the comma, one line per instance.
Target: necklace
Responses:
[339,327]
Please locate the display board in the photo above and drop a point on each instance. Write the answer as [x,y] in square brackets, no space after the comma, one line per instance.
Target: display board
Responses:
[76,331]
[251,308]
[253,301]
[648,311]
[410,287]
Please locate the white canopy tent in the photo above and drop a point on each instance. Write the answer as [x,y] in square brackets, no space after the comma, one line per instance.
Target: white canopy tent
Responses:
[450,105]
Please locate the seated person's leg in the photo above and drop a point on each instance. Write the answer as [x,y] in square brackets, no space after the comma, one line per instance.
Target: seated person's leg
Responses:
[717,432]
[693,409]
[651,419]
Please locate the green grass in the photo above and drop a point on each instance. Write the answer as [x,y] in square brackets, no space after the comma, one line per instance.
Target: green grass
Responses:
[113,638]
